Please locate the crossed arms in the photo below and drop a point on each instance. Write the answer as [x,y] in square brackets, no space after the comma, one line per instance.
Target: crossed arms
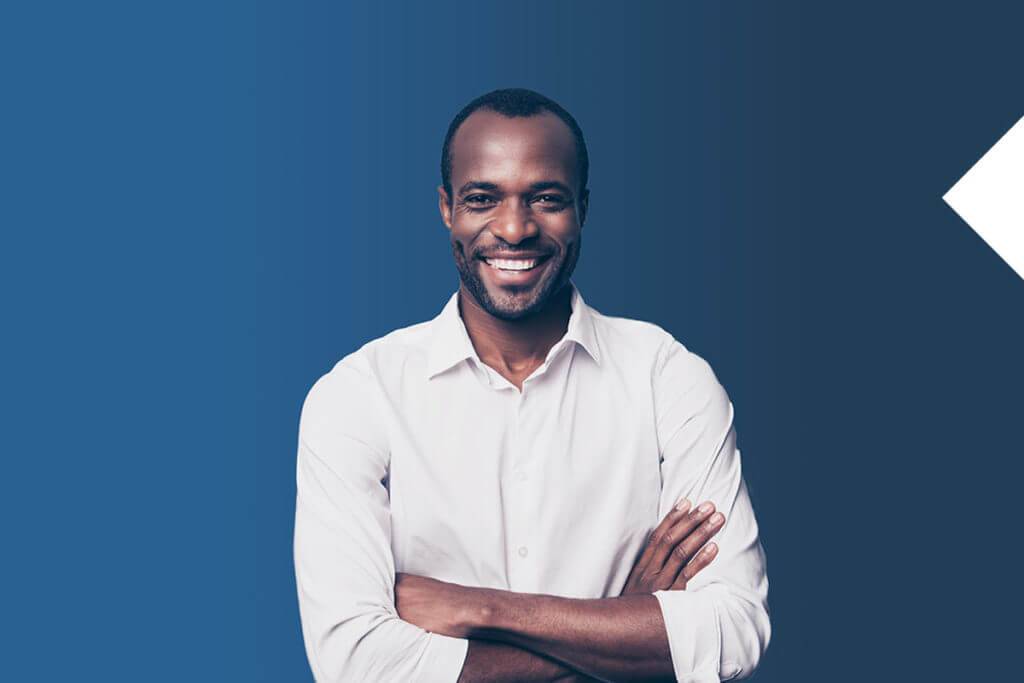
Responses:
[568,639]
[362,622]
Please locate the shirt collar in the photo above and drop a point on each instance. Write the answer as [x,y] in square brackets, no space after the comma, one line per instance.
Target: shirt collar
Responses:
[450,342]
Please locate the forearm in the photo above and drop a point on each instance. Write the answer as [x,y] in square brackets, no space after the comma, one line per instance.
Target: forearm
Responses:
[496,662]
[611,639]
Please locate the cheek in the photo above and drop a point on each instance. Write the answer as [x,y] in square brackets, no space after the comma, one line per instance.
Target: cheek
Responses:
[466,234]
[462,248]
[564,230]
[467,226]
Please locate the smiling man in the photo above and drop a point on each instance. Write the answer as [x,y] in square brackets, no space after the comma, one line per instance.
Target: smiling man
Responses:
[503,493]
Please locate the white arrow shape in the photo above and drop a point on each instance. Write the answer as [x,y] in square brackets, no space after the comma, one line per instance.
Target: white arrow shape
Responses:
[990,197]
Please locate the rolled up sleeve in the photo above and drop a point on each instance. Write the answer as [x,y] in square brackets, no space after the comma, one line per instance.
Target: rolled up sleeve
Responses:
[344,567]
[719,627]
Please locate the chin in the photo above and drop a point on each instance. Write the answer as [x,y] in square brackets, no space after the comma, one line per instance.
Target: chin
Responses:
[512,304]
[513,313]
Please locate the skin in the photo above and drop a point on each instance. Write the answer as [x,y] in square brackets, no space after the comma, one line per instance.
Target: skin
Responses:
[570,639]
[515,189]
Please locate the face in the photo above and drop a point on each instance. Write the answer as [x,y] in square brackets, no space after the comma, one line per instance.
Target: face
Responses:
[516,214]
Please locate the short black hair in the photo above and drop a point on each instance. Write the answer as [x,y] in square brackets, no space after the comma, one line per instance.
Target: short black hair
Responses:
[512,102]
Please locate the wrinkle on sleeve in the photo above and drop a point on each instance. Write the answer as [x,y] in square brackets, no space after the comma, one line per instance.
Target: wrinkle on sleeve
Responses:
[718,627]
[344,567]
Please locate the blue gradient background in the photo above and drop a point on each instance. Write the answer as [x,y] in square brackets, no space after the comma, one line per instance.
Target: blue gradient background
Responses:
[205,205]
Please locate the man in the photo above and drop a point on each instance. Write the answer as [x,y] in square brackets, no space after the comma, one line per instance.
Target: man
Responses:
[503,493]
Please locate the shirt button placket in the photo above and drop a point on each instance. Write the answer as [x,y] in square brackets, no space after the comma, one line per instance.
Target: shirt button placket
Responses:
[518,473]
[520,495]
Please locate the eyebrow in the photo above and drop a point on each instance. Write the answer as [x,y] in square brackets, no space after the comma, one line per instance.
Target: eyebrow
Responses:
[535,187]
[478,185]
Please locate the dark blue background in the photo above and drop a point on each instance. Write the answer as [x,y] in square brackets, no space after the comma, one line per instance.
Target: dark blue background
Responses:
[205,205]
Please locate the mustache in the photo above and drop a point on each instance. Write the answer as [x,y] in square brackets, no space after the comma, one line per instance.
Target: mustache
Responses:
[505,252]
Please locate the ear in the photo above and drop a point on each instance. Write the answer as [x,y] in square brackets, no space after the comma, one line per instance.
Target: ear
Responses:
[445,206]
[584,206]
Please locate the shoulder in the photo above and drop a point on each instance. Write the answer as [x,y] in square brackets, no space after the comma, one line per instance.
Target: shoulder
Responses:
[679,376]
[629,339]
[685,386]
[354,382]
[658,347]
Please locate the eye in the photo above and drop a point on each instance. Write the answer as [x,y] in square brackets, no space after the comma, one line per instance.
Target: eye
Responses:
[550,200]
[478,200]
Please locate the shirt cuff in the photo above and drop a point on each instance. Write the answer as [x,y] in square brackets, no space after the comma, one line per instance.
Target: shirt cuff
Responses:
[694,637]
[445,658]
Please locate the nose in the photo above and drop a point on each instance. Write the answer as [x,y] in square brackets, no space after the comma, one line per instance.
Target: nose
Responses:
[514,223]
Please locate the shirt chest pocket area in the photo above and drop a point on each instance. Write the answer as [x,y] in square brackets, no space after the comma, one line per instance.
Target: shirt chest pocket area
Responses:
[445,509]
[603,493]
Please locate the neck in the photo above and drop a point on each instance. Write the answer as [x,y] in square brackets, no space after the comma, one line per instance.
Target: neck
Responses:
[516,346]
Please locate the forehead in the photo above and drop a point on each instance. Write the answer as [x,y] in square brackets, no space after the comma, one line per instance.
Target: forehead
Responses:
[491,147]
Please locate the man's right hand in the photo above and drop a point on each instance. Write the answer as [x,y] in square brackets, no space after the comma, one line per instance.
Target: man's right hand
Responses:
[673,554]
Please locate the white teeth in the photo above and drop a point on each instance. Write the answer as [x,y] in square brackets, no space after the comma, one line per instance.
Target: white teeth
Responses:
[512,264]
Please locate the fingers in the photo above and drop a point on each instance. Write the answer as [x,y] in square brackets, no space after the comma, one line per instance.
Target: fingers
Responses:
[674,515]
[688,547]
[679,533]
[701,560]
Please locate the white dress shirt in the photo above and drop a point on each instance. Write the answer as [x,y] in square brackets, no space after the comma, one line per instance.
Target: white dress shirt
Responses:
[416,457]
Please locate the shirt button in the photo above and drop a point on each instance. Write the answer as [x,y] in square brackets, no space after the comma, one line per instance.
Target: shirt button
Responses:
[521,476]
[523,551]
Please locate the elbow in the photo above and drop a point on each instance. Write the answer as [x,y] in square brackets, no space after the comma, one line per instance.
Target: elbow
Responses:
[751,631]
[379,646]
[348,650]
[717,633]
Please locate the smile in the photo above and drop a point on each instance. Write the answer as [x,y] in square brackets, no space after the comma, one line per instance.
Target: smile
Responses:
[512,264]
